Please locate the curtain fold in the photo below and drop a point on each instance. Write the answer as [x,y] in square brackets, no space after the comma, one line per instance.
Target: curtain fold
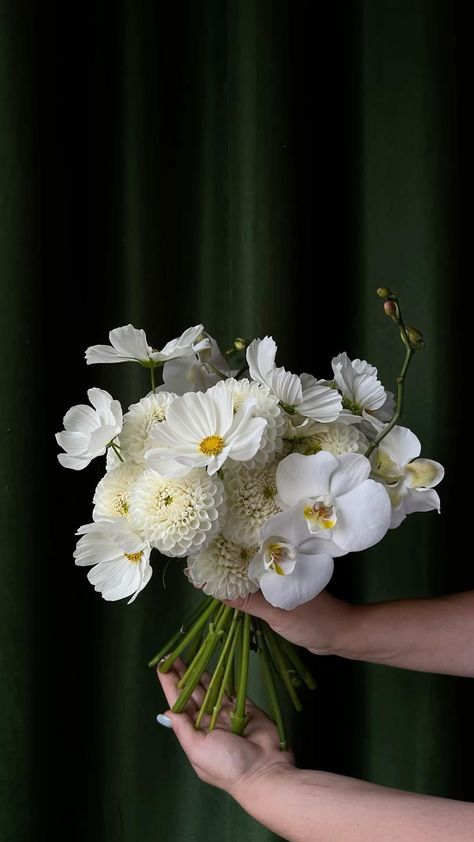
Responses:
[261,167]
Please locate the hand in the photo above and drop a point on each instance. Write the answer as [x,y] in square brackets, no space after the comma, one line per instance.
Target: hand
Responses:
[219,757]
[321,625]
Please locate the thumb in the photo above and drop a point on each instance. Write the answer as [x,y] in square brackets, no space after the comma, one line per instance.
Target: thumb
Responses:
[257,605]
[187,735]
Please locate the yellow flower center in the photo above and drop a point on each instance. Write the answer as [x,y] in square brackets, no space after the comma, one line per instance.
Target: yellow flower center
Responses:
[121,505]
[212,445]
[278,554]
[134,557]
[321,514]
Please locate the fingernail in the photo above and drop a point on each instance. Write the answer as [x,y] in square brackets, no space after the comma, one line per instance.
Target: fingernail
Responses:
[164,720]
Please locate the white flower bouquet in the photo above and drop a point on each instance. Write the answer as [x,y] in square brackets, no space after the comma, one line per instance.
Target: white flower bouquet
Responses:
[258,476]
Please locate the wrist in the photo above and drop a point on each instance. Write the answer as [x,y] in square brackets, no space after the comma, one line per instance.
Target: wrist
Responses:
[249,790]
[342,638]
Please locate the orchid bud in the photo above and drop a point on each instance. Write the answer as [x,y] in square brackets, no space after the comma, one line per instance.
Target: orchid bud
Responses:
[240,344]
[390,309]
[383,292]
[415,338]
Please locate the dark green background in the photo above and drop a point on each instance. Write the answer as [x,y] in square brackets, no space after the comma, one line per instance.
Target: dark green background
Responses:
[261,166]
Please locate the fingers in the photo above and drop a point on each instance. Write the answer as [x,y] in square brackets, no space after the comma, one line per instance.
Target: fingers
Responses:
[257,605]
[169,683]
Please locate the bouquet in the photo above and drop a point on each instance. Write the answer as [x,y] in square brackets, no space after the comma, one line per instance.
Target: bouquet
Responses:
[259,477]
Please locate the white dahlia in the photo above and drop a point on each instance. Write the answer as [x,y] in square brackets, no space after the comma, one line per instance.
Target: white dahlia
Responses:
[266,406]
[221,570]
[139,421]
[111,496]
[335,438]
[250,502]
[177,515]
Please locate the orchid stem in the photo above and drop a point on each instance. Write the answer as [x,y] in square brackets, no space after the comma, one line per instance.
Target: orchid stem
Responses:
[298,664]
[219,669]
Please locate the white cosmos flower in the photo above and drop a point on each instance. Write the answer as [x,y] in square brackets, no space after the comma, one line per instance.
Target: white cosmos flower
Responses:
[266,406]
[138,422]
[408,479]
[336,499]
[87,431]
[177,516]
[304,395]
[292,567]
[111,496]
[362,391]
[121,558]
[201,431]
[251,500]
[129,344]
[221,570]
[336,438]
[198,372]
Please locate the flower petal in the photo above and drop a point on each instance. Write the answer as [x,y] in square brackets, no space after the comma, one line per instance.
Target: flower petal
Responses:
[363,517]
[299,477]
[310,576]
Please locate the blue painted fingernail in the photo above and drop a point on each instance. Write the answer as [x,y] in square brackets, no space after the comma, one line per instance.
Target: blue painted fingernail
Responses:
[164,720]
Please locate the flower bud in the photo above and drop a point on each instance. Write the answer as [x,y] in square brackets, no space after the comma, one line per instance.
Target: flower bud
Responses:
[383,292]
[415,338]
[240,344]
[390,309]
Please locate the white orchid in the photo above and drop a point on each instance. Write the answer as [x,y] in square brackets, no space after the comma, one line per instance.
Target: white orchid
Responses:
[362,392]
[201,430]
[336,499]
[291,566]
[129,344]
[88,432]
[301,394]
[409,480]
[121,558]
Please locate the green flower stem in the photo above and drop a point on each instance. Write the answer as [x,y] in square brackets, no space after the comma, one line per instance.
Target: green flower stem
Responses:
[399,408]
[216,679]
[225,679]
[189,620]
[215,632]
[279,662]
[230,686]
[195,628]
[116,451]
[238,717]
[271,688]
[199,650]
[193,648]
[152,376]
[300,667]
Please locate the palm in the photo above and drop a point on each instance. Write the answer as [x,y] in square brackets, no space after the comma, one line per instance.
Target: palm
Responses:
[221,757]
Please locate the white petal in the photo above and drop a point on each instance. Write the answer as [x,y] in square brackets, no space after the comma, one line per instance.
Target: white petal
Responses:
[424,473]
[319,401]
[401,445]
[77,463]
[261,355]
[130,342]
[310,575]
[421,501]
[286,386]
[299,477]
[353,469]
[363,517]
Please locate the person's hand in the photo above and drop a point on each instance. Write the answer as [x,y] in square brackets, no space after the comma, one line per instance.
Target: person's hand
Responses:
[219,757]
[322,625]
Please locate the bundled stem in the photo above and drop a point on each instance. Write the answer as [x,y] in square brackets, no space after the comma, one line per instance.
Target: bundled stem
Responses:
[270,684]
[238,717]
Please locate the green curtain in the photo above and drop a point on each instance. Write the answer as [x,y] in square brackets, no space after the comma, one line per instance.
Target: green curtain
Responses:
[260,166]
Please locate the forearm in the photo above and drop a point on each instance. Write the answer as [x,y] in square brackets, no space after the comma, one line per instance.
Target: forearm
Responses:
[306,806]
[431,635]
